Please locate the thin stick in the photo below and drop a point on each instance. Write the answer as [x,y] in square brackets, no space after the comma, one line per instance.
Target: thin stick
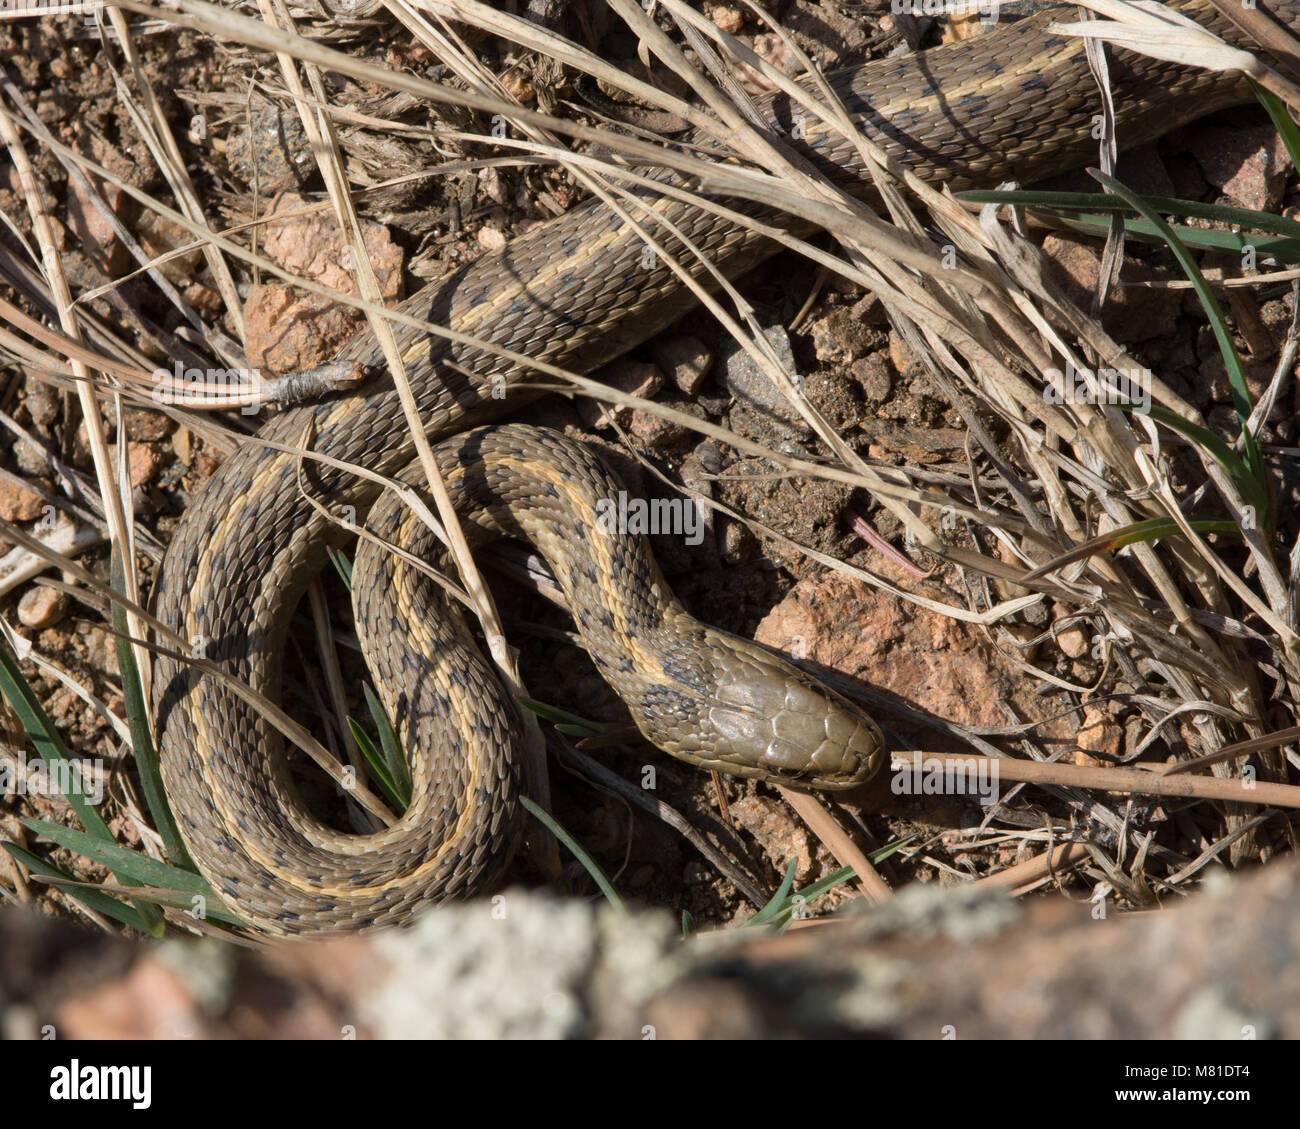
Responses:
[1241,791]
[846,851]
[1031,870]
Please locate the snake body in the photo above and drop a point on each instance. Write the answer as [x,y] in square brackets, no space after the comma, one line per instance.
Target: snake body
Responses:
[1018,104]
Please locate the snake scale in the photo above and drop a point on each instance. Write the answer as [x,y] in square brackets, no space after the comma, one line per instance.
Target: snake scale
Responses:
[1017,104]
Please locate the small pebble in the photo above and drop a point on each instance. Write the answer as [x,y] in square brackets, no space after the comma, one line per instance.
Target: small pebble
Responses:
[41,607]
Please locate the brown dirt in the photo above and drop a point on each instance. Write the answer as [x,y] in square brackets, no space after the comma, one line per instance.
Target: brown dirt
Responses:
[856,374]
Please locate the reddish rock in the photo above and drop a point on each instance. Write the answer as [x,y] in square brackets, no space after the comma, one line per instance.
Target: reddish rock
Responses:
[779,832]
[95,232]
[160,236]
[728,17]
[1130,314]
[313,246]
[287,330]
[92,228]
[1250,165]
[870,310]
[931,660]
[17,504]
[840,335]
[685,359]
[1073,641]
[655,431]
[873,377]
[1100,734]
[143,461]
[146,425]
[636,378]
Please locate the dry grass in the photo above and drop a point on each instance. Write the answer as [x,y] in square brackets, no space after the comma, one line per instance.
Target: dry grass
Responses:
[1197,632]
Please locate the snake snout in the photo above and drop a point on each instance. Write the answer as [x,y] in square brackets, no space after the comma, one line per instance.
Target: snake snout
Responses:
[788,727]
[839,745]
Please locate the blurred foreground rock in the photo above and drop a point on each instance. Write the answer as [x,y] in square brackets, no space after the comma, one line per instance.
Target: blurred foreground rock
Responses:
[933,963]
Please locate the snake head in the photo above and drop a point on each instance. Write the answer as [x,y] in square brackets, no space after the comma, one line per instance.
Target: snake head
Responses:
[766,718]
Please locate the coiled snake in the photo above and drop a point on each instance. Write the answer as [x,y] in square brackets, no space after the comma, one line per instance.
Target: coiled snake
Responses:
[1018,104]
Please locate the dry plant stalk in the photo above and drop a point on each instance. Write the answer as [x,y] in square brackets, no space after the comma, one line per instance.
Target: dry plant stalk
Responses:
[1181,628]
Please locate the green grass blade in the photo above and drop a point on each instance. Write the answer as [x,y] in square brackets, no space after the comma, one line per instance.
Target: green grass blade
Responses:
[1222,242]
[160,896]
[1152,529]
[50,749]
[161,882]
[888,850]
[575,724]
[342,565]
[1282,121]
[1252,489]
[1165,205]
[822,885]
[137,717]
[45,738]
[590,735]
[394,755]
[130,866]
[1232,362]
[100,902]
[780,911]
[378,767]
[589,864]
[777,903]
